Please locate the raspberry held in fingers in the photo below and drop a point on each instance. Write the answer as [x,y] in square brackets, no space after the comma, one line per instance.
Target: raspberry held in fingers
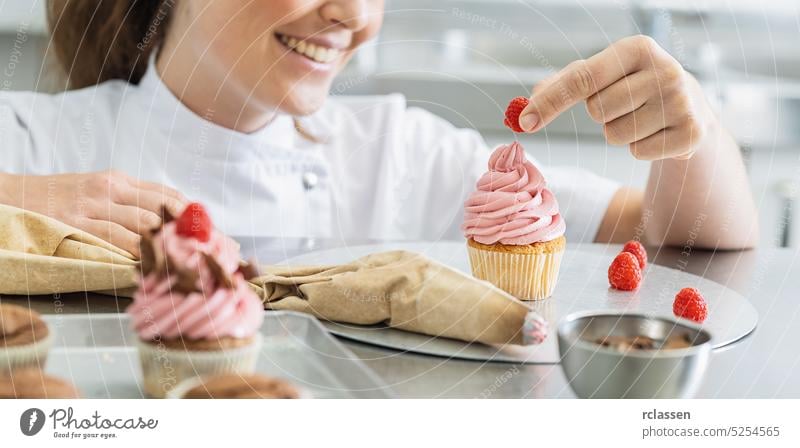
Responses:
[195,223]
[514,109]
[624,272]
[634,247]
[690,304]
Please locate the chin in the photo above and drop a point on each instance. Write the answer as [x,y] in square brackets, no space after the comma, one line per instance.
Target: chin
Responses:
[304,103]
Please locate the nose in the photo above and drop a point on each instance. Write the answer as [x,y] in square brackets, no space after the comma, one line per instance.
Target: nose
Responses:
[351,14]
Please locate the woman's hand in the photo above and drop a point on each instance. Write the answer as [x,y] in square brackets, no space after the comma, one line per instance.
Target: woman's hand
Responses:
[640,94]
[108,204]
[645,99]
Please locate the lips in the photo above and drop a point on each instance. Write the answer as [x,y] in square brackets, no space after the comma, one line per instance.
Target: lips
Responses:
[316,52]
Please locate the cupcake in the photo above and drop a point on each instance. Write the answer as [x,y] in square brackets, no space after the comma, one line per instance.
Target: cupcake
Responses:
[31,382]
[514,231]
[236,386]
[193,312]
[24,338]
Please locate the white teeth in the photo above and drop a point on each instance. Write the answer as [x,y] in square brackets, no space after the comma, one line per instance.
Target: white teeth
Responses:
[314,52]
[311,50]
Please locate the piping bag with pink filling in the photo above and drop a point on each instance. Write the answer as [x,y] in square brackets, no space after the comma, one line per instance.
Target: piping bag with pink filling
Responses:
[407,291]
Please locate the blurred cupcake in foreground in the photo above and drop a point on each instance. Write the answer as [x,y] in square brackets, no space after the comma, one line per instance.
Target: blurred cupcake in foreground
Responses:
[193,311]
[31,382]
[237,386]
[514,231]
[24,338]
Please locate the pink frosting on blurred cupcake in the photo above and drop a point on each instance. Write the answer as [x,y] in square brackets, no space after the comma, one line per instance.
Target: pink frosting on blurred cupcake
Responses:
[512,204]
[192,289]
[158,312]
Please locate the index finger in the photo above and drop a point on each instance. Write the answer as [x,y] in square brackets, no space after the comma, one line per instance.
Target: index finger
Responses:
[579,80]
[149,200]
[158,188]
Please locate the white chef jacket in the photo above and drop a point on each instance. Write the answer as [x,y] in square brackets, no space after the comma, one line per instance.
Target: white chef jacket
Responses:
[382,170]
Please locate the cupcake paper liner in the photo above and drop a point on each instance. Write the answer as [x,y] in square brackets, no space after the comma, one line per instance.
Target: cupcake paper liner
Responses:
[163,368]
[28,355]
[525,276]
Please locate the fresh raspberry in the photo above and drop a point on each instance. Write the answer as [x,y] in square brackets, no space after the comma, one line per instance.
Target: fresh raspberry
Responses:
[624,272]
[194,222]
[690,304]
[634,247]
[515,107]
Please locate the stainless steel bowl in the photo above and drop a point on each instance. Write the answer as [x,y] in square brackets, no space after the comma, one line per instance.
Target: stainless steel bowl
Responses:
[595,371]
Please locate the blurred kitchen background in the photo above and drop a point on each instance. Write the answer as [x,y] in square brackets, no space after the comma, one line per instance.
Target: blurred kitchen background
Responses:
[464,59]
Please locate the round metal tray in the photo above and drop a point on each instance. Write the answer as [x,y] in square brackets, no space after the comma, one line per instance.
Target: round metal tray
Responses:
[582,286]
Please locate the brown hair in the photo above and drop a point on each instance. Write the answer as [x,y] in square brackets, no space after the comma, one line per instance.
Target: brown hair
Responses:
[96,40]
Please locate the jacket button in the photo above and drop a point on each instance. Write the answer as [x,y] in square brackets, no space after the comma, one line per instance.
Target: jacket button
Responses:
[310,180]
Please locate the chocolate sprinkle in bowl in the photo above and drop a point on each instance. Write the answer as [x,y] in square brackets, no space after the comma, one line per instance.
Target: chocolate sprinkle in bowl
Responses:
[613,355]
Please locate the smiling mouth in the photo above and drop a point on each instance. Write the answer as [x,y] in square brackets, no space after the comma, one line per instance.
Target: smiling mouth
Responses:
[317,53]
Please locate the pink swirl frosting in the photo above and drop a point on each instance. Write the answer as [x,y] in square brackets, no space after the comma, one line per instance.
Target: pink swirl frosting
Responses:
[159,310]
[512,204]
[534,329]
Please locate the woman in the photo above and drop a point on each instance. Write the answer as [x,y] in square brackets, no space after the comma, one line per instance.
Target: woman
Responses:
[226,102]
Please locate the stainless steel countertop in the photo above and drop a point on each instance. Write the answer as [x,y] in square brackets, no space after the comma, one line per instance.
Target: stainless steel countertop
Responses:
[766,364]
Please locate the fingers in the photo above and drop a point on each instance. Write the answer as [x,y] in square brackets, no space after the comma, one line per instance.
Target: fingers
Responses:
[677,142]
[582,79]
[113,233]
[147,199]
[621,98]
[655,114]
[157,188]
[135,219]
[125,190]
[544,83]
[641,123]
